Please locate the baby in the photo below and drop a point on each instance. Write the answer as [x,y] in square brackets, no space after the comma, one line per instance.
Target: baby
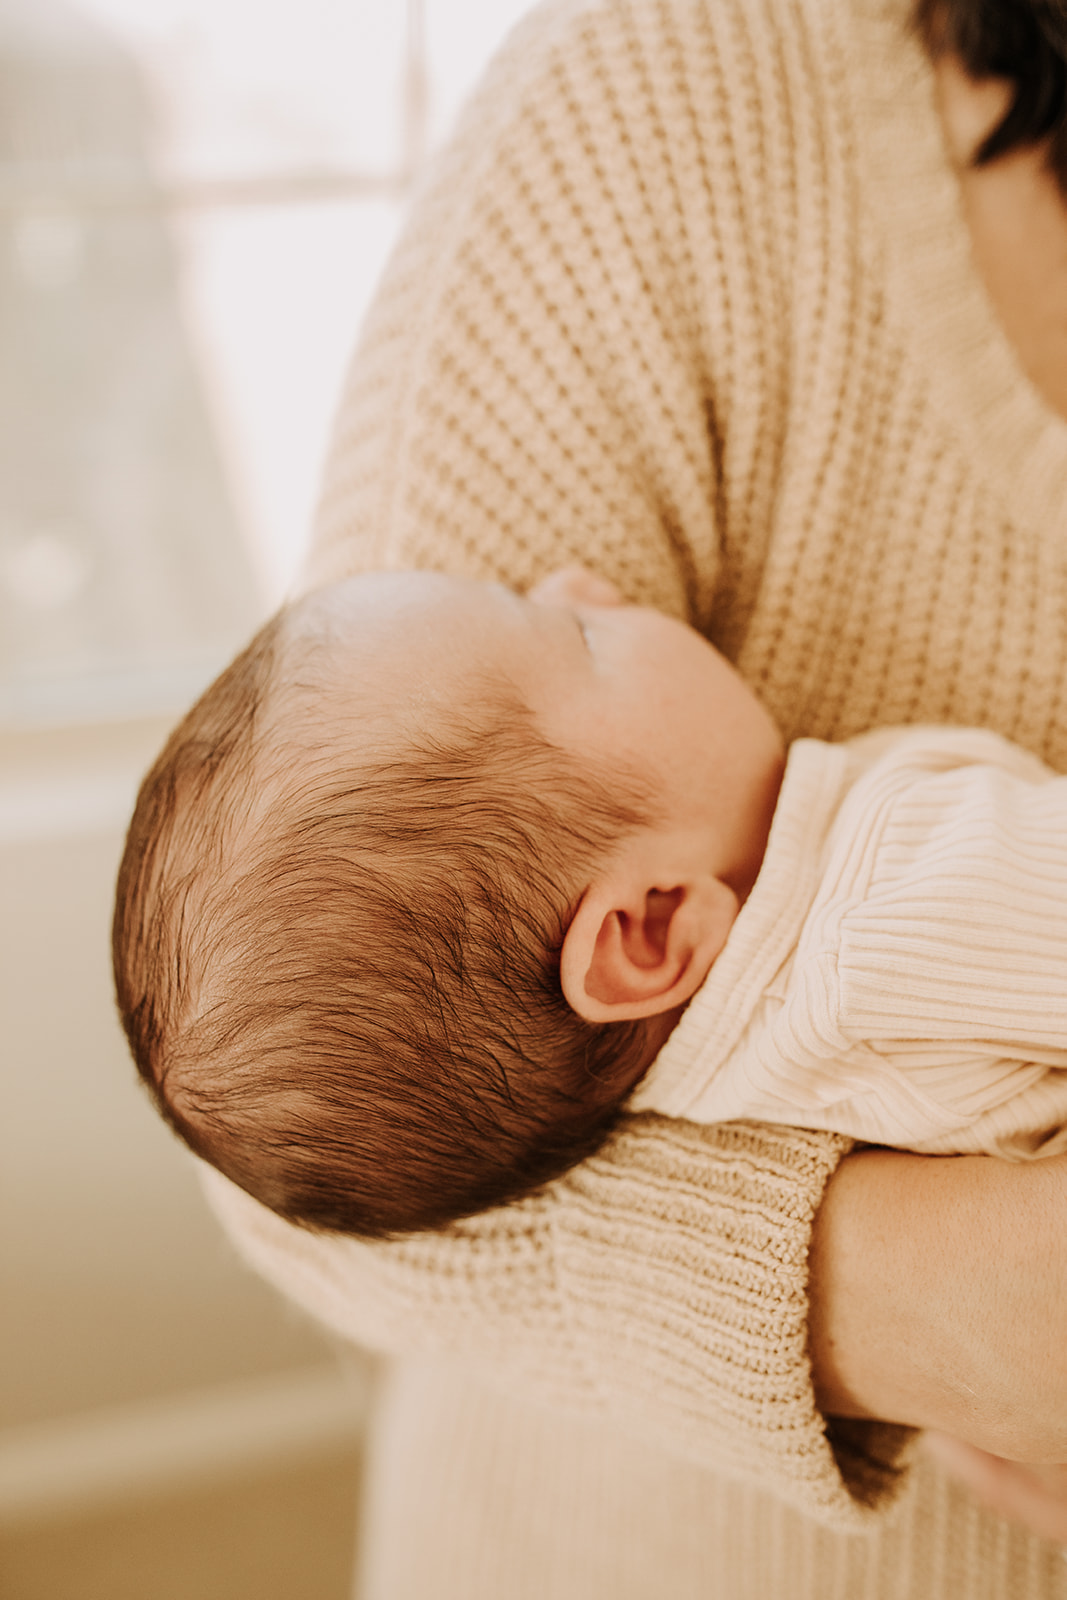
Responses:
[436,877]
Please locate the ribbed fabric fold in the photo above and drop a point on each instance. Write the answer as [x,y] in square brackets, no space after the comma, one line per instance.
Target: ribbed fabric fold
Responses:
[898,972]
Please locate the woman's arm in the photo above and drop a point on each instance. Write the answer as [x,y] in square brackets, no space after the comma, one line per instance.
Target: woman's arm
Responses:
[663,1286]
[938,1291]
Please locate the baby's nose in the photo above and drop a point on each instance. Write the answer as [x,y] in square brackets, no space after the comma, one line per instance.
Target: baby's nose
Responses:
[575,586]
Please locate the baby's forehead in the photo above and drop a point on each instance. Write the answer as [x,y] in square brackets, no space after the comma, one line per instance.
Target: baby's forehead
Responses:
[366,622]
[398,645]
[395,600]
[383,623]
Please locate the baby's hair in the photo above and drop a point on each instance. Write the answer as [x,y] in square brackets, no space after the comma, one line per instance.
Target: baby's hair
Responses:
[340,981]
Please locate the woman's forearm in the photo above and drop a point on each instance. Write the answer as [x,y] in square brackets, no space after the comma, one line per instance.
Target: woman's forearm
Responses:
[939,1298]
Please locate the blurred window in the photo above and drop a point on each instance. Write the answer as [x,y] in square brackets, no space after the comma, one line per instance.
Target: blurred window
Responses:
[196,199]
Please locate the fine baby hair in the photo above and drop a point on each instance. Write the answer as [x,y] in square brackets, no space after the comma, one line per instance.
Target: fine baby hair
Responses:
[337,932]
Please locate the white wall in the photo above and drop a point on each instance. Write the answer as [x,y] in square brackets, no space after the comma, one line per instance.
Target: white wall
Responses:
[122,1308]
[116,1282]
[119,1292]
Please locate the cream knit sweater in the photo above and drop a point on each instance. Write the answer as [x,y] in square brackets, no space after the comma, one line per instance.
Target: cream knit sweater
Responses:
[690,299]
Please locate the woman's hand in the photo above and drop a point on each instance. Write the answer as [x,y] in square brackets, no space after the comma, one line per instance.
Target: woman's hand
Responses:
[938,1292]
[1035,1496]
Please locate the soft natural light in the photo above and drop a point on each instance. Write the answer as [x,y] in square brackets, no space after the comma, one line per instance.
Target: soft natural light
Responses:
[275,292]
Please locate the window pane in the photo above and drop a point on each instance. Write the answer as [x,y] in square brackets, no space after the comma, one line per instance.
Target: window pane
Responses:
[263,85]
[196,199]
[121,567]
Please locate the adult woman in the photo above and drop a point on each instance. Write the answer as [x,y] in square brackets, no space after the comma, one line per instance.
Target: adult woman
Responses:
[692,300]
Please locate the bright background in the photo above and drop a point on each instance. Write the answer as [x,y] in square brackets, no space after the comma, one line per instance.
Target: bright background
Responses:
[196,199]
[284,92]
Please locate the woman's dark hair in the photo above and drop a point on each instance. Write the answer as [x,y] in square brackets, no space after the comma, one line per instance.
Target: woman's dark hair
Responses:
[1024,41]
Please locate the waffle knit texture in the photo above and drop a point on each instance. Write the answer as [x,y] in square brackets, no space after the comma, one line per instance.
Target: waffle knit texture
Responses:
[690,299]
[897,973]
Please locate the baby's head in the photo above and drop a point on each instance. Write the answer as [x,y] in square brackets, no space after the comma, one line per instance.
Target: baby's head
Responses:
[416,890]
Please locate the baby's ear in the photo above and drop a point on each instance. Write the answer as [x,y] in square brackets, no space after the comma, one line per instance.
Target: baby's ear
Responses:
[634,950]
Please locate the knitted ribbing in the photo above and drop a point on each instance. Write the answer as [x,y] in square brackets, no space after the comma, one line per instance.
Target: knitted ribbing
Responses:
[897,972]
[662,1283]
[690,299]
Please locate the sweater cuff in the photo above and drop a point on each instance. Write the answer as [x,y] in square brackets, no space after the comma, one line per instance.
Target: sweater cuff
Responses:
[683,1255]
[661,1287]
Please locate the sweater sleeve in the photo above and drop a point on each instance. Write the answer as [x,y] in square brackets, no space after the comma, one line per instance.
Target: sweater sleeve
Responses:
[660,1286]
[554,371]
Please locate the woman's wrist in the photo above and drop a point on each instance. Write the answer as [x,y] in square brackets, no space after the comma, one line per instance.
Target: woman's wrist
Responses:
[938,1290]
